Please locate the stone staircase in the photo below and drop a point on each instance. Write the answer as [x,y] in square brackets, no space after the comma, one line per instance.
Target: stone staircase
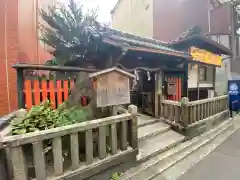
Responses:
[160,148]
[155,137]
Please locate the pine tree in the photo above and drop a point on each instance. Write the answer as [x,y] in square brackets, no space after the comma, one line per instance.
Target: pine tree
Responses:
[69,31]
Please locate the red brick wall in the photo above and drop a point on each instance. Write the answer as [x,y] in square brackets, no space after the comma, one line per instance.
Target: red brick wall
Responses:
[8,54]
[4,106]
[30,49]
[18,42]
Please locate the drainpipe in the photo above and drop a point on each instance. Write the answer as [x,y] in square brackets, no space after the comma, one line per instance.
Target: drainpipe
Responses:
[209,17]
[233,34]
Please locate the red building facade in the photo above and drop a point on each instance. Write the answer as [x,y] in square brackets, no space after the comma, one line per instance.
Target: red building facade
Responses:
[18,43]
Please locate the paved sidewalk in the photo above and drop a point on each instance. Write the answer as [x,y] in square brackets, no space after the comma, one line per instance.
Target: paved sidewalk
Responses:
[221,164]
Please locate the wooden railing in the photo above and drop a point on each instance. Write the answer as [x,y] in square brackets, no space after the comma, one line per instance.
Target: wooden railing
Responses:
[116,138]
[199,110]
[171,111]
[185,113]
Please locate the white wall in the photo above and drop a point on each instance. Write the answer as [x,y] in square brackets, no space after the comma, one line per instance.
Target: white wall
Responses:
[134,16]
[193,77]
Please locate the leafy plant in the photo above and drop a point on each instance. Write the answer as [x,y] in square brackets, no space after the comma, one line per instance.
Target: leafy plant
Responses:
[68,31]
[43,117]
[115,176]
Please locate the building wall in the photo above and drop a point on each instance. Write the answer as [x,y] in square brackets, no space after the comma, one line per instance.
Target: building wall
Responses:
[8,54]
[134,16]
[19,43]
[29,19]
[193,77]
[172,18]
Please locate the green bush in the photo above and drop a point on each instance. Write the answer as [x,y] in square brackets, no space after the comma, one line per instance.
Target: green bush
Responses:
[43,117]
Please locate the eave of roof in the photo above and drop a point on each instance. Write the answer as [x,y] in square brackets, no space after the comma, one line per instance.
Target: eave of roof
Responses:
[137,43]
[214,46]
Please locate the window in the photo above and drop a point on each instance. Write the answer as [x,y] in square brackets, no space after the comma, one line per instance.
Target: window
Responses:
[202,73]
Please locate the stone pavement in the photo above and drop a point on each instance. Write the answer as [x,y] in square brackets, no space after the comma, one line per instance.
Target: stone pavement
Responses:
[221,164]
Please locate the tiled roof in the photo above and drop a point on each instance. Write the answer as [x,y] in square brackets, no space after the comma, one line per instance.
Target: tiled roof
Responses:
[128,39]
[194,30]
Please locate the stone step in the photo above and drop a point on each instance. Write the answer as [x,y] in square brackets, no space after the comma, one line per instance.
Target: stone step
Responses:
[144,120]
[185,164]
[150,130]
[156,144]
[156,165]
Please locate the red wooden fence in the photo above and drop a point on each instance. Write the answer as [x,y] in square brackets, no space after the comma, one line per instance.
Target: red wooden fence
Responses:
[36,91]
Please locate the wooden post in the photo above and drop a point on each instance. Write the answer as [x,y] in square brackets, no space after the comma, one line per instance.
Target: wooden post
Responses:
[157,82]
[89,146]
[185,83]
[123,135]
[39,161]
[20,171]
[74,150]
[102,142]
[184,111]
[20,86]
[134,127]
[194,113]
[57,156]
[113,137]
[160,106]
[114,110]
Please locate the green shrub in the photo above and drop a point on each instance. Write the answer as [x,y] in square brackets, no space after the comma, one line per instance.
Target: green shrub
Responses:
[43,117]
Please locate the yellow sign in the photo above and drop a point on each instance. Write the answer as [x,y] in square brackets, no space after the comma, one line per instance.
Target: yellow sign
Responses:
[204,56]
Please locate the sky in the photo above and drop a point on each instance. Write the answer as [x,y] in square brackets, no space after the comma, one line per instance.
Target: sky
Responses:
[104,8]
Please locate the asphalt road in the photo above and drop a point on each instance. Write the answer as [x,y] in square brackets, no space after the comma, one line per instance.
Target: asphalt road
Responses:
[221,164]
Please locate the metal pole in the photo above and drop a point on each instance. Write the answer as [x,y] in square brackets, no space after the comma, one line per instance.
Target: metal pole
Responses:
[233,33]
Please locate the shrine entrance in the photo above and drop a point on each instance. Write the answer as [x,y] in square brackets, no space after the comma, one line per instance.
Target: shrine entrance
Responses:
[173,86]
[143,94]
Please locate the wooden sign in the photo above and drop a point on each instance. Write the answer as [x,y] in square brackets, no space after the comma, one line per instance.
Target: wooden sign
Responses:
[204,56]
[112,87]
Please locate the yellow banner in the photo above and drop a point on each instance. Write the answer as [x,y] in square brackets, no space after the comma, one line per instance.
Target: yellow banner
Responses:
[204,56]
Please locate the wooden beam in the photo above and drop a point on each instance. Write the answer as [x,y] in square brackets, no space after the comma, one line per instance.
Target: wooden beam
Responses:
[52,68]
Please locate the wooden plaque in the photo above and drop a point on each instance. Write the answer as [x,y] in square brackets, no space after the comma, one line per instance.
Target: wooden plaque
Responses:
[112,89]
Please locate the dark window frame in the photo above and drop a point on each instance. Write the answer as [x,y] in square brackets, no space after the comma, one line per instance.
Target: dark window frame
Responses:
[202,73]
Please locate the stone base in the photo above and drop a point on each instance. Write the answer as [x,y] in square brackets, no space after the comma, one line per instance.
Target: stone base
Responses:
[205,125]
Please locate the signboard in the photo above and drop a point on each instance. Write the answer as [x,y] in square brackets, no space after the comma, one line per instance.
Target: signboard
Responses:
[204,56]
[233,92]
[112,89]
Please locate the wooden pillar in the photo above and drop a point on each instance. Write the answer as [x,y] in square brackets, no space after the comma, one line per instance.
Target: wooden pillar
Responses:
[185,81]
[20,86]
[157,92]
[185,111]
[134,126]
[214,80]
